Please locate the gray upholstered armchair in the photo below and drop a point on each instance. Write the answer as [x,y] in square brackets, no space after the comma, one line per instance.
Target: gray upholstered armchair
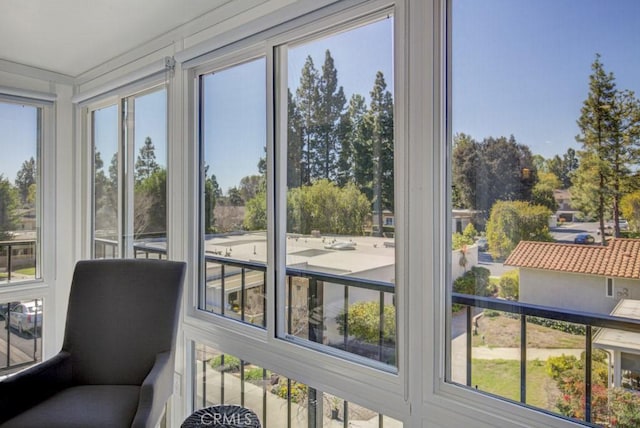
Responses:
[116,367]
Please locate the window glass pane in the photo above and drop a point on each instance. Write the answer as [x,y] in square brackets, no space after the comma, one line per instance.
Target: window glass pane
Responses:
[544,165]
[20,135]
[150,175]
[340,248]
[21,337]
[277,400]
[105,171]
[234,220]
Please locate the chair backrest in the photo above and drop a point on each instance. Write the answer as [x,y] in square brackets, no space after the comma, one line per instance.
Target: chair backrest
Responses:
[121,314]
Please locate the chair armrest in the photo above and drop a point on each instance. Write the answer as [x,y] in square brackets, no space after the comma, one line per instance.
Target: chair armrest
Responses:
[33,385]
[155,391]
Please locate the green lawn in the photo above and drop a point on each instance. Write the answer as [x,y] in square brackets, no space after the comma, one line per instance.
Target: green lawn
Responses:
[502,378]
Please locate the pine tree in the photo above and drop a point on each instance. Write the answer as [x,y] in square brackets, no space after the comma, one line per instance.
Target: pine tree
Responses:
[331,102]
[609,125]
[307,96]
[295,143]
[146,163]
[25,178]
[381,114]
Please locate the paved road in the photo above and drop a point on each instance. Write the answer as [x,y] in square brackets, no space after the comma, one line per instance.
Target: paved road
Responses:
[567,233]
[21,347]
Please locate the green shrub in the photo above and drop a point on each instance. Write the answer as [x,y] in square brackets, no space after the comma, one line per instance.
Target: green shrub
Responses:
[459,240]
[298,391]
[510,285]
[491,313]
[557,366]
[256,374]
[231,363]
[470,232]
[475,282]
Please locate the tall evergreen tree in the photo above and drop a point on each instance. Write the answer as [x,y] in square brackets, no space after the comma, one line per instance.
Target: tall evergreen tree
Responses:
[25,178]
[609,126]
[331,103]
[381,113]
[295,143]
[307,96]
[146,163]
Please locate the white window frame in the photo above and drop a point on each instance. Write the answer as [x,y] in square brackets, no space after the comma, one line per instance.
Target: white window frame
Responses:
[125,143]
[42,286]
[349,377]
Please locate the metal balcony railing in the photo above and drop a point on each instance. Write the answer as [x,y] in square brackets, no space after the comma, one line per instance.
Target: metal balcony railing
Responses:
[15,255]
[237,289]
[591,321]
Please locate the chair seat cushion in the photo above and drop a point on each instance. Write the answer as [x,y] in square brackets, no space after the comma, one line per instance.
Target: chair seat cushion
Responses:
[99,406]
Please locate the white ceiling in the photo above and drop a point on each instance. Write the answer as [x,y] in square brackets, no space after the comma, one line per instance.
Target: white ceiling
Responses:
[74,36]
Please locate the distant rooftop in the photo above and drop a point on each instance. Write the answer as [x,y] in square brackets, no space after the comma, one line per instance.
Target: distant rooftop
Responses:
[620,258]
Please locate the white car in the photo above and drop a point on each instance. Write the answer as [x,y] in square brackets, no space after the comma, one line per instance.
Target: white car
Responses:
[624,224]
[25,317]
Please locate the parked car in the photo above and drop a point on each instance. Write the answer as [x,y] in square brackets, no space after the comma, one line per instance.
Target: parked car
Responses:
[483,244]
[624,224]
[25,317]
[584,238]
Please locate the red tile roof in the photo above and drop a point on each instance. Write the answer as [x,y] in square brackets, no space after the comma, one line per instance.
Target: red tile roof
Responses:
[620,258]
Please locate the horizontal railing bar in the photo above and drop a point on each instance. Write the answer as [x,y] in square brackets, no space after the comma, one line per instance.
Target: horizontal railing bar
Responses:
[368,284]
[18,242]
[236,262]
[560,314]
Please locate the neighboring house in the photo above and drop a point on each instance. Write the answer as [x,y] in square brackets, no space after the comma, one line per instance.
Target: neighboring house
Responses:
[462,218]
[565,210]
[588,278]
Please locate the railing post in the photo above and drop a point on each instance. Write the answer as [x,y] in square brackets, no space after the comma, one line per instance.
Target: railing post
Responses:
[222,296]
[381,332]
[587,375]
[345,333]
[35,332]
[290,297]
[523,358]
[242,291]
[9,251]
[469,343]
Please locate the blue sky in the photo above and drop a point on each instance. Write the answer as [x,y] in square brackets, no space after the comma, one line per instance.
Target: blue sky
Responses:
[235,126]
[519,67]
[522,67]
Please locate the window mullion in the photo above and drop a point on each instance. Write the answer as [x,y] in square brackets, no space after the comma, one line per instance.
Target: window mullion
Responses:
[127,178]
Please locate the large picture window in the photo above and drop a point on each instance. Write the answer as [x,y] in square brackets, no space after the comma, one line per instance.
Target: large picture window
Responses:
[544,138]
[20,188]
[129,144]
[340,233]
[234,192]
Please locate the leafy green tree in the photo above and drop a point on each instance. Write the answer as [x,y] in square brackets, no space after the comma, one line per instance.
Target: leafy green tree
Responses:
[255,214]
[25,178]
[609,126]
[212,194]
[146,164]
[542,193]
[513,221]
[150,205]
[9,202]
[494,169]
[630,207]
[251,185]
[234,197]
